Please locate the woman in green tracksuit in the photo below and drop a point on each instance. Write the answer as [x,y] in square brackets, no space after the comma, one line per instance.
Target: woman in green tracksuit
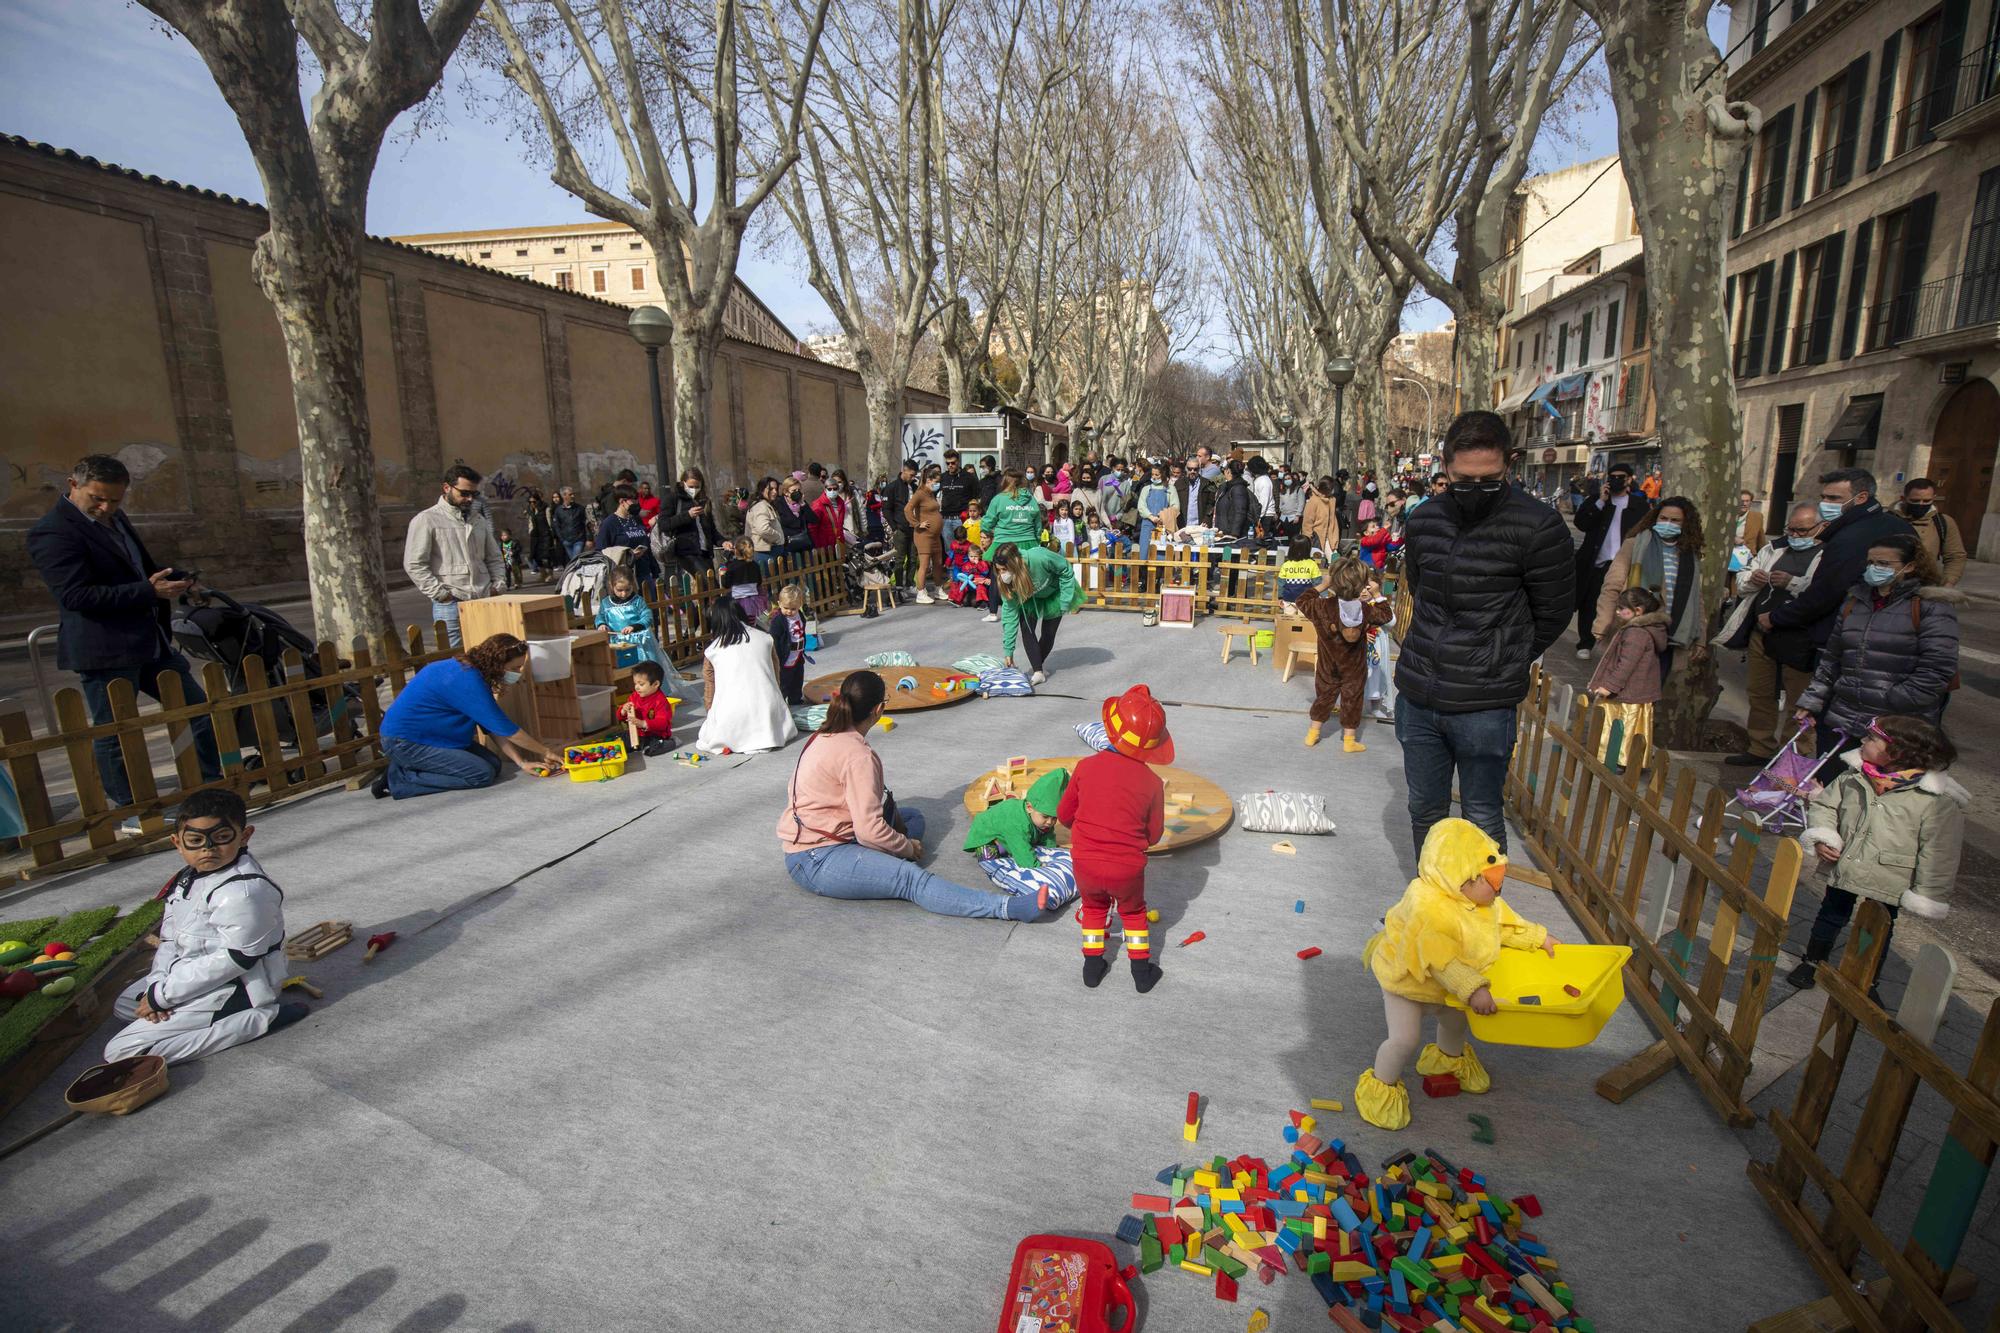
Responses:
[1014,515]
[1037,589]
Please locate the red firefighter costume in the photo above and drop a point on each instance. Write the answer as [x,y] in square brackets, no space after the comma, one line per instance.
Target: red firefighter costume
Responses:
[1115,808]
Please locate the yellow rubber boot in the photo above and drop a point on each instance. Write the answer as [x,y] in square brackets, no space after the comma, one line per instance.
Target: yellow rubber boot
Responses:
[1383,1105]
[1472,1076]
[1351,743]
[1312,734]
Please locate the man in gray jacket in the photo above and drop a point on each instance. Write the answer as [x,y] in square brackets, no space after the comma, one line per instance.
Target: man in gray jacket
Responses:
[450,553]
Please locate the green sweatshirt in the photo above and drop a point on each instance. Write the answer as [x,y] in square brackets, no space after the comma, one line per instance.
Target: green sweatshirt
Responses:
[1055,594]
[1015,517]
[1007,822]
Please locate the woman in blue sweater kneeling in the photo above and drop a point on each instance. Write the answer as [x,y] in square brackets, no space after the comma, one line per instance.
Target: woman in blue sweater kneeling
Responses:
[429,733]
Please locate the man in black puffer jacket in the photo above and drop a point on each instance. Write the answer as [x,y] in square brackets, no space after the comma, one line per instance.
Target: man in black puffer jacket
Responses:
[1493,579]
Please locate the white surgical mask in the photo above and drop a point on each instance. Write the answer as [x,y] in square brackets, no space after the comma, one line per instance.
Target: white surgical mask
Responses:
[692,490]
[1006,579]
[1667,532]
[1802,543]
[1877,575]
[1829,511]
[511,677]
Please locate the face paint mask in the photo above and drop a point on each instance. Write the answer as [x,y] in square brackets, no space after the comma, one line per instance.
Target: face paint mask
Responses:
[1667,532]
[1803,543]
[1877,575]
[1829,511]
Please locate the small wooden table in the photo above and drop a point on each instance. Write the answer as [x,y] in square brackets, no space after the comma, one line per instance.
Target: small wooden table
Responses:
[822,688]
[1197,809]
[1293,637]
[1246,632]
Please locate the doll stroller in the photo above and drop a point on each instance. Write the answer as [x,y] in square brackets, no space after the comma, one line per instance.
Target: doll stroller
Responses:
[868,565]
[1775,800]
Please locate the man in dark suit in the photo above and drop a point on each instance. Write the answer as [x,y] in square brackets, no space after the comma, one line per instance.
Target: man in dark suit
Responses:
[1605,522]
[115,601]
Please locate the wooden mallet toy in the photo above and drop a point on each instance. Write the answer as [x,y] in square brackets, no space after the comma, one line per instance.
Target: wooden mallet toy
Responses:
[377,943]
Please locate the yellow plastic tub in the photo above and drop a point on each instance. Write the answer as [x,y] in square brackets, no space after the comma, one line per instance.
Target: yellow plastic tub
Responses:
[595,761]
[1560,1020]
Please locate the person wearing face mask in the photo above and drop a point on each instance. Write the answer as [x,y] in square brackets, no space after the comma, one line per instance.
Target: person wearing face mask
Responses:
[1893,647]
[926,518]
[1663,557]
[1319,520]
[429,735]
[1492,584]
[450,552]
[1748,537]
[1777,658]
[1937,530]
[1855,521]
[1194,494]
[1605,521]
[832,520]
[686,537]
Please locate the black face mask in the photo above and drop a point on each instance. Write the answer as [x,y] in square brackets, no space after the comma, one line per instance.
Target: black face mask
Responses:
[1917,508]
[1620,482]
[1474,500]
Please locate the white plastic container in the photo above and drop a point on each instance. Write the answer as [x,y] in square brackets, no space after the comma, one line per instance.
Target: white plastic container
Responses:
[549,659]
[594,707]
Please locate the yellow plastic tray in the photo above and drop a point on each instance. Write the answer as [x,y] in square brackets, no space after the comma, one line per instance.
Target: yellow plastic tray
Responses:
[598,772]
[1560,1020]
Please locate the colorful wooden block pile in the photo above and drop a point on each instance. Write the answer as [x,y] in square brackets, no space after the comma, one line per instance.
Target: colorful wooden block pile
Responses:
[1421,1246]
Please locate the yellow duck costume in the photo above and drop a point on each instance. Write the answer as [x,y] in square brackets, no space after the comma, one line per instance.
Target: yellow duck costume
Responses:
[1437,943]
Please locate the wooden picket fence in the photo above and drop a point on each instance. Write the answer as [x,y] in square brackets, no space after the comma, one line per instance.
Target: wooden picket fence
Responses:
[1614,846]
[1920,1279]
[681,605]
[1242,582]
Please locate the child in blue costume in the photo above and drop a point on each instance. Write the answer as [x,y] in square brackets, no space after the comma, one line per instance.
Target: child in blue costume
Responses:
[625,614]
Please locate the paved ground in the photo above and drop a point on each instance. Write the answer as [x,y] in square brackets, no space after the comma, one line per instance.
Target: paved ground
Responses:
[634,1088]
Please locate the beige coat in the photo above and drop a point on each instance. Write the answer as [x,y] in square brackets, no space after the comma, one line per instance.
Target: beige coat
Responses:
[1321,522]
[1616,578]
[452,556]
[761,525]
[1899,848]
[1948,551]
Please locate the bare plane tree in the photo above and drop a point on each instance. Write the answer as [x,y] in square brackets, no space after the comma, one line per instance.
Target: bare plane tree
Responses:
[627,70]
[315,170]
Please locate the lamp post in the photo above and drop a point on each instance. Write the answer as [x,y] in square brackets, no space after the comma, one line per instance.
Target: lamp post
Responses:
[1430,406]
[1285,429]
[652,330]
[1340,370]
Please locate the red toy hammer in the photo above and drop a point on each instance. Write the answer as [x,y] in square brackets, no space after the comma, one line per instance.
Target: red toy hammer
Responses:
[377,943]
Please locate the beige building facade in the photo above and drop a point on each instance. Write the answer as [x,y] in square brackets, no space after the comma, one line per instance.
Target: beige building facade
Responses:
[1864,293]
[607,260]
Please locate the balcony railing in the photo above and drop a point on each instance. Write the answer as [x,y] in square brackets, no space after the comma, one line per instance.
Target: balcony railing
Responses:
[1961,301]
[1626,419]
[1978,82]
[1826,166]
[1767,201]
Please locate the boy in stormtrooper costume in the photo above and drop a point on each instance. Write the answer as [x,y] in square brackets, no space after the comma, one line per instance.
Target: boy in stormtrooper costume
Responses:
[215,978]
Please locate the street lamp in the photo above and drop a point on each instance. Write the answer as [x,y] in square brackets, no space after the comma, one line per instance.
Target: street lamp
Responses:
[1285,429]
[1430,406]
[1340,370]
[652,330]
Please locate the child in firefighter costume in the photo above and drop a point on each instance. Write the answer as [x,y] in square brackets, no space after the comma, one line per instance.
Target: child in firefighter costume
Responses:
[1115,808]
[1438,942]
[221,962]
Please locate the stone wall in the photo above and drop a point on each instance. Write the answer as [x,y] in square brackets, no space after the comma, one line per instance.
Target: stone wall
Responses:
[137,330]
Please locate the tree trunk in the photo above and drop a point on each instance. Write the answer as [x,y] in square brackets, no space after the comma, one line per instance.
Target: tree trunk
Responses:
[1478,336]
[694,370]
[958,366]
[1680,147]
[313,280]
[884,391]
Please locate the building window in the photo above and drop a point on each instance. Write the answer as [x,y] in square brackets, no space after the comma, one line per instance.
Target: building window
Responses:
[1640,316]
[638,279]
[566,280]
[1562,349]
[520,254]
[1611,331]
[486,254]
[1979,290]
[1840,127]
[1774,151]
[562,249]
[1782,315]
[597,280]
[1857,283]
[634,245]
[1885,101]
[1899,277]
[1818,292]
[597,249]
[1921,84]
[1583,339]
[1538,349]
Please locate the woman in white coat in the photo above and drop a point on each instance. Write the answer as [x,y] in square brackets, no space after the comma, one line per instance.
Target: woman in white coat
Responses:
[746,710]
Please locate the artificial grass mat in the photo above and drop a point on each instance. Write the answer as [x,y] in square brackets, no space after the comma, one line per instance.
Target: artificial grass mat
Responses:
[21,1019]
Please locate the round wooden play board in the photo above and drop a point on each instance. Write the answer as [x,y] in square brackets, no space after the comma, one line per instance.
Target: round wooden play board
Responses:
[1197,809]
[821,688]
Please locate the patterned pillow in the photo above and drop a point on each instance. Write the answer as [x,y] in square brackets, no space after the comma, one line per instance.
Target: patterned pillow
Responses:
[1094,735]
[890,660]
[1283,812]
[808,717]
[1004,681]
[978,664]
[1052,869]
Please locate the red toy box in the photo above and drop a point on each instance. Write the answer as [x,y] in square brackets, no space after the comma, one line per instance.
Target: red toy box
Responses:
[1060,1284]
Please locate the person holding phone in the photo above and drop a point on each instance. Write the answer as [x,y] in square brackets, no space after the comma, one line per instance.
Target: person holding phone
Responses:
[686,537]
[116,601]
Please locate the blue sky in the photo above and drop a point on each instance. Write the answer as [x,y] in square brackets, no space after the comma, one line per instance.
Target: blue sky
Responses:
[104,78]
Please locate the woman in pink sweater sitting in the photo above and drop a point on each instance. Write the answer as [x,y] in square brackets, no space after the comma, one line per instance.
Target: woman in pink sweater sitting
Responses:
[842,834]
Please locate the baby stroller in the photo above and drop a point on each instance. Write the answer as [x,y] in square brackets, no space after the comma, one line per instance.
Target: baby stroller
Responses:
[212,626]
[1775,800]
[583,576]
[869,565]
[969,575]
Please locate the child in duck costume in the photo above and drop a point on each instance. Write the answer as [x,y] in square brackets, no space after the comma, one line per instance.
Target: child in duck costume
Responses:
[1438,942]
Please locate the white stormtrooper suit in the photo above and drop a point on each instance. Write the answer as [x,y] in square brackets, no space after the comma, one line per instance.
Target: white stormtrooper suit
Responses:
[218,970]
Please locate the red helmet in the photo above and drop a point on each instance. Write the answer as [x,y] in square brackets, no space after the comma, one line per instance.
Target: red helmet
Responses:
[1137,726]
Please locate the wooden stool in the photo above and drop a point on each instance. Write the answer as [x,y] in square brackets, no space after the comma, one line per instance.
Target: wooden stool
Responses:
[1247,633]
[1293,638]
[878,598]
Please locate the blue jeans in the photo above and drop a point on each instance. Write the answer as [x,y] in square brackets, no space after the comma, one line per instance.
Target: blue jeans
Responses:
[573,549]
[416,769]
[144,680]
[847,870]
[448,613]
[1478,745]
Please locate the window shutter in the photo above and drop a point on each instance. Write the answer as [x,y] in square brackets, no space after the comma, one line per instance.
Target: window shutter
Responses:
[1611,330]
[1850,120]
[1885,98]
[1760,26]
[1769,206]
[1944,81]
[1742,193]
[1781,316]
[1916,249]
[1804,167]
[1979,289]
[1857,281]
[1826,299]
[1583,339]
[1759,321]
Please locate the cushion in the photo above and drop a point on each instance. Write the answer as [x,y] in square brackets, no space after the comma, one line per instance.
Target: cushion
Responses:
[1004,682]
[978,664]
[1052,868]
[808,717]
[1283,812]
[891,660]
[1094,735]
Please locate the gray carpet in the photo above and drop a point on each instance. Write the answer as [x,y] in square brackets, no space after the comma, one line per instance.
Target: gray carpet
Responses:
[658,1086]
